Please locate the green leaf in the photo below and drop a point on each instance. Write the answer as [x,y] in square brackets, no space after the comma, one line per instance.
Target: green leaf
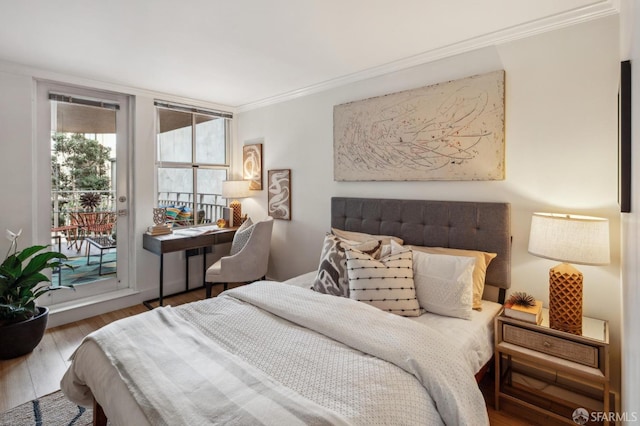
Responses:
[47,289]
[32,280]
[28,252]
[39,262]
[19,287]
[11,267]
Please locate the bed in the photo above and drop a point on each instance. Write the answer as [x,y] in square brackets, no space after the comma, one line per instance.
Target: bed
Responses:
[278,353]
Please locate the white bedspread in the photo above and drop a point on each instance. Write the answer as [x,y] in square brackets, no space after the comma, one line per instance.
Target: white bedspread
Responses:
[473,338]
[262,324]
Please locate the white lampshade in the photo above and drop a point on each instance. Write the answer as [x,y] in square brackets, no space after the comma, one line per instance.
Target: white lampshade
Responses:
[234,189]
[568,238]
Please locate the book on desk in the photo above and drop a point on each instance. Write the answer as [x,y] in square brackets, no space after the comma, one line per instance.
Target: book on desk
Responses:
[161,229]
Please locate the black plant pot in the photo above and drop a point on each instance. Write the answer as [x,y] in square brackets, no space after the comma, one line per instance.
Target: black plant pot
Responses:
[22,337]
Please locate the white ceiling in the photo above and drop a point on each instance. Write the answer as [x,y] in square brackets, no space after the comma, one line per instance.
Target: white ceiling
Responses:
[244,53]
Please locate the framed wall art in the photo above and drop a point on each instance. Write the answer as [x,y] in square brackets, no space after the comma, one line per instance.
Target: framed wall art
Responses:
[279,197]
[447,131]
[624,138]
[252,165]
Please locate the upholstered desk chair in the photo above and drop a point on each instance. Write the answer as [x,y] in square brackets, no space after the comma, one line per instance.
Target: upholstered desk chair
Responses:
[248,259]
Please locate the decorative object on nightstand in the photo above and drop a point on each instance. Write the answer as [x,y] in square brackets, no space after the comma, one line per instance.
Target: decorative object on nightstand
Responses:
[234,190]
[568,238]
[524,307]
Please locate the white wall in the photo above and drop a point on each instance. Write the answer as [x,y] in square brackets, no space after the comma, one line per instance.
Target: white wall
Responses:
[18,189]
[631,230]
[561,153]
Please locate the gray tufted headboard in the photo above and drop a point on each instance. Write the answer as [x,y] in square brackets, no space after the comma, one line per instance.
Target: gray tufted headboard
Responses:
[454,224]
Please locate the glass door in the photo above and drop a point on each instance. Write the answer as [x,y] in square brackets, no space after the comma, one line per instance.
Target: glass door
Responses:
[87,141]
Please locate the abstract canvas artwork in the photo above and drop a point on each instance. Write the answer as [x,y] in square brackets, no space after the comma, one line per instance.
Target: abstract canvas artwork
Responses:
[279,197]
[447,131]
[252,165]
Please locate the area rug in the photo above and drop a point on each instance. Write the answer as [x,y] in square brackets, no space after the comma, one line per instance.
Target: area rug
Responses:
[50,410]
[83,273]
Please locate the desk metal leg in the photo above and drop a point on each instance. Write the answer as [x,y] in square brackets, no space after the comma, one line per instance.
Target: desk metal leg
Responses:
[204,265]
[161,279]
[160,298]
[186,277]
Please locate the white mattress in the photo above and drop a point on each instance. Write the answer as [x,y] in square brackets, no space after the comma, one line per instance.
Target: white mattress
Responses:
[474,337]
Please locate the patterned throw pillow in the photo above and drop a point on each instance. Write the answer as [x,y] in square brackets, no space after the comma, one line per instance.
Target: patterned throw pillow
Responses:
[241,237]
[332,269]
[361,237]
[386,284]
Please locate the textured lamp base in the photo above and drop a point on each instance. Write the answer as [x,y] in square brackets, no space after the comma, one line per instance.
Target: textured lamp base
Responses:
[237,212]
[565,299]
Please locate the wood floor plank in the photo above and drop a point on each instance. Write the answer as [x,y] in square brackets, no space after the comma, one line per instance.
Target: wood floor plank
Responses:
[67,338]
[16,386]
[46,366]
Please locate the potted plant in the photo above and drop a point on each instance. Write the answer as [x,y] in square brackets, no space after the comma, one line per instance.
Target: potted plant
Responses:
[22,322]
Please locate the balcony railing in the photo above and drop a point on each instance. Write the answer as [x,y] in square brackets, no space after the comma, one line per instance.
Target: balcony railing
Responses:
[208,206]
[63,202]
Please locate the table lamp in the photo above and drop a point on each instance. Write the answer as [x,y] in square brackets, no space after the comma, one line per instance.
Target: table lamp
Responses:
[233,190]
[570,239]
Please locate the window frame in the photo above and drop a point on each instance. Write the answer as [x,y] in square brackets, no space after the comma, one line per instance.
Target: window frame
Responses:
[194,166]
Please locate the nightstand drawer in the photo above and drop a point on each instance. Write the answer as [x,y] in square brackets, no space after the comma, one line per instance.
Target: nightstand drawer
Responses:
[562,348]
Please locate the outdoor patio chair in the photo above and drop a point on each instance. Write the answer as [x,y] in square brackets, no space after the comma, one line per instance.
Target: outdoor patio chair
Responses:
[93,224]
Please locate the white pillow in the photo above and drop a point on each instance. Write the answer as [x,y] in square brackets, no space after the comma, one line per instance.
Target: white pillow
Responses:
[386,283]
[444,283]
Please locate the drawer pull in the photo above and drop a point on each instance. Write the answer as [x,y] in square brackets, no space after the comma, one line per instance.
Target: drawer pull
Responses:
[546,344]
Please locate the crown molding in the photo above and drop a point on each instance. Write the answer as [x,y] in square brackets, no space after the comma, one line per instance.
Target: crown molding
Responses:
[562,20]
[40,74]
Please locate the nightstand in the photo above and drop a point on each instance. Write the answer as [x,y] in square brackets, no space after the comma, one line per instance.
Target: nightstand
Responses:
[552,372]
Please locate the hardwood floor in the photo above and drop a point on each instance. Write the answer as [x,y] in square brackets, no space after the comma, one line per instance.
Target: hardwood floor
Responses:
[39,373]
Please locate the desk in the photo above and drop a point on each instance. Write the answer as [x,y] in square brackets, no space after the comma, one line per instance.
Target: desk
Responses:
[180,241]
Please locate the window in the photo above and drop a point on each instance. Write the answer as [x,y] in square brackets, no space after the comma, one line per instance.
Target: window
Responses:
[192,162]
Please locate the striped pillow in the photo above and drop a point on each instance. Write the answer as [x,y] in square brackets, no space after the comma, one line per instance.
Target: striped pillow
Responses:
[386,284]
